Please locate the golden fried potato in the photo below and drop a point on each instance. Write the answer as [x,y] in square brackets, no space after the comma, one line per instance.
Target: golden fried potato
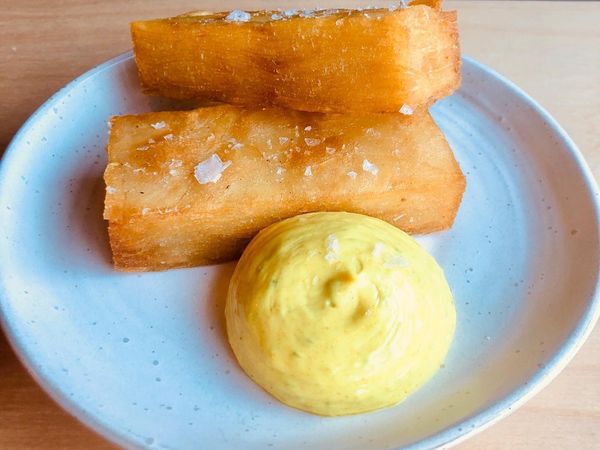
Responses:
[435,4]
[193,187]
[377,60]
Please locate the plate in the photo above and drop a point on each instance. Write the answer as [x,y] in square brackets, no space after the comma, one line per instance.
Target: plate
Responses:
[143,358]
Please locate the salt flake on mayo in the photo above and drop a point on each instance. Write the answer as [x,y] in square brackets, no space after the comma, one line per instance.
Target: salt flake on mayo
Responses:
[333,248]
[377,249]
[396,261]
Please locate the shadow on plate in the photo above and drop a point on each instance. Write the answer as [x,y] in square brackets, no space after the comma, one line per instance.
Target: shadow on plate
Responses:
[214,308]
[83,243]
[164,104]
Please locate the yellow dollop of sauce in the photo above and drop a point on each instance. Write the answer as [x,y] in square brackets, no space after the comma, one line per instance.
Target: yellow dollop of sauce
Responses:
[338,313]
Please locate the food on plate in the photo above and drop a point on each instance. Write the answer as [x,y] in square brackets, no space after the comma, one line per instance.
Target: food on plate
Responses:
[338,313]
[186,188]
[335,60]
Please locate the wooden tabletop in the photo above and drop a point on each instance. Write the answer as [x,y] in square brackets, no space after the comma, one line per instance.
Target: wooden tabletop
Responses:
[550,49]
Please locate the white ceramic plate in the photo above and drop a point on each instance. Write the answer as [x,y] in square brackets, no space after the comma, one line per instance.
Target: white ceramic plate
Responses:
[143,358]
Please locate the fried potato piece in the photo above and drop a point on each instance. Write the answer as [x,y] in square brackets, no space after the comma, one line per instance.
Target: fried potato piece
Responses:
[193,187]
[375,60]
[434,4]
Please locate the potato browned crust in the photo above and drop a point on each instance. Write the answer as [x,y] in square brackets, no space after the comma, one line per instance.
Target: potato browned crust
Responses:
[330,61]
[394,167]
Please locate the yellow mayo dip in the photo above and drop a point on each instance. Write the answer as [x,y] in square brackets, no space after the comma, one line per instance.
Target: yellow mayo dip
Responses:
[338,313]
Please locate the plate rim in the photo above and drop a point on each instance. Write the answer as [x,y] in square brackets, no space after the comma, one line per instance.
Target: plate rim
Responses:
[449,436]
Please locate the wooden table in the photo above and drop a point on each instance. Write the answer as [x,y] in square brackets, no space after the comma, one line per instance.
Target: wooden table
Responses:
[551,49]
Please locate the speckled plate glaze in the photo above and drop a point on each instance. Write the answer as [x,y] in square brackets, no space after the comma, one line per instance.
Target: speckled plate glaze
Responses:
[143,358]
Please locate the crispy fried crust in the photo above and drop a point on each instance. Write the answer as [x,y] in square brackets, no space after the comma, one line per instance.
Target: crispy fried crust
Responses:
[394,167]
[332,61]
[434,4]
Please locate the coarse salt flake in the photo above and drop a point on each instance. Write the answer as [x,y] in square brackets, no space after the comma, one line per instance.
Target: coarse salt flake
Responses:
[333,248]
[400,5]
[352,174]
[145,211]
[377,249]
[308,171]
[211,137]
[395,262]
[332,243]
[276,17]
[168,137]
[237,15]
[151,141]
[210,170]
[311,142]
[289,12]
[283,140]
[279,171]
[110,190]
[159,125]
[406,110]
[330,257]
[308,128]
[369,167]
[142,148]
[330,150]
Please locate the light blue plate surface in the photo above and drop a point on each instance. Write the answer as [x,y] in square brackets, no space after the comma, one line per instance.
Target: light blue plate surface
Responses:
[143,358]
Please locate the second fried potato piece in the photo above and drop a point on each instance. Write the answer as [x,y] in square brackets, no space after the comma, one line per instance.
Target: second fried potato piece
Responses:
[193,187]
[376,60]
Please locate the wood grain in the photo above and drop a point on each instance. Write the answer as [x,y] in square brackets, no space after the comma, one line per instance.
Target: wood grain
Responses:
[548,48]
